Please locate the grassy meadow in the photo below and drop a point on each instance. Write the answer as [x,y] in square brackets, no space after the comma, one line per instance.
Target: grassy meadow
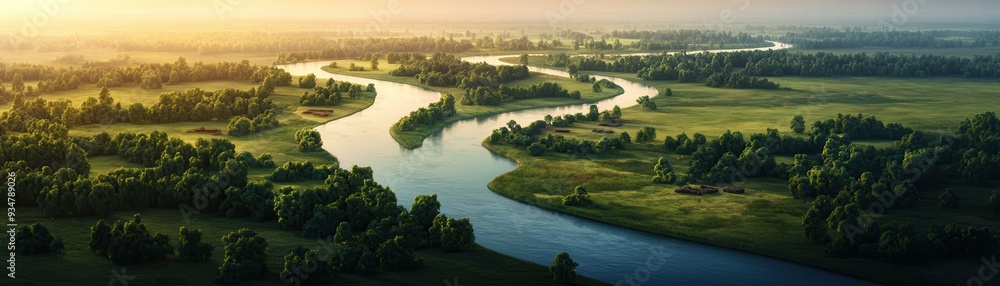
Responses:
[766,220]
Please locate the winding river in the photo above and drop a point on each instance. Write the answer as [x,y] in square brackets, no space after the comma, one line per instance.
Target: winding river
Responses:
[454,165]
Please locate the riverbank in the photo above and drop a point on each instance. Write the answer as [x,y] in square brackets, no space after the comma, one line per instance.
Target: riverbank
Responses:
[767,220]
[414,139]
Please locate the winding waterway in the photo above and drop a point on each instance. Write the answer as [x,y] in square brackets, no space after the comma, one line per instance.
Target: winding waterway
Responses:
[453,164]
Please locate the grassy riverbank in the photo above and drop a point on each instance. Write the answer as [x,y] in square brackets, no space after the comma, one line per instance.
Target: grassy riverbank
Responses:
[415,138]
[767,220]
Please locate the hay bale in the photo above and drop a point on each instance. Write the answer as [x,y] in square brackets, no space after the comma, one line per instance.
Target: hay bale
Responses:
[562,130]
[686,189]
[709,189]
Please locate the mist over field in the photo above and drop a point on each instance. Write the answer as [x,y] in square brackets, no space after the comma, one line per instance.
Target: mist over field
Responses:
[198,15]
[517,142]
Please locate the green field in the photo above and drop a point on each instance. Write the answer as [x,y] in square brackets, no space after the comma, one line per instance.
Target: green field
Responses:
[90,269]
[766,220]
[414,139]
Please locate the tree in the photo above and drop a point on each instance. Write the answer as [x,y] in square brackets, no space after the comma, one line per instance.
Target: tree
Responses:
[645,134]
[36,239]
[948,200]
[309,140]
[798,124]
[536,149]
[424,209]
[190,247]
[578,197]
[374,63]
[624,137]
[246,256]
[396,254]
[594,113]
[308,81]
[994,201]
[132,243]
[524,59]
[597,87]
[174,78]
[304,266]
[239,126]
[100,238]
[151,80]
[563,269]
[669,92]
[457,235]
[646,103]
[663,173]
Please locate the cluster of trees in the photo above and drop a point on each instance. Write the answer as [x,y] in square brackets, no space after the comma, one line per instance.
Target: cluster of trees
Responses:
[300,171]
[848,182]
[448,70]
[685,67]
[370,229]
[516,135]
[129,242]
[483,95]
[563,268]
[51,79]
[309,140]
[738,80]
[578,197]
[53,169]
[682,39]
[354,47]
[242,125]
[828,38]
[434,113]
[190,247]
[518,44]
[860,127]
[191,105]
[36,239]
[246,256]
[663,173]
[331,94]
[646,103]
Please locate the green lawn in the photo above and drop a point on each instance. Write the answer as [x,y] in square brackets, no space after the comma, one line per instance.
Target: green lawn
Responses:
[477,267]
[414,139]
[766,220]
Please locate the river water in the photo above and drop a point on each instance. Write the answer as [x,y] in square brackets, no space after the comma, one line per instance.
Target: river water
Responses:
[453,164]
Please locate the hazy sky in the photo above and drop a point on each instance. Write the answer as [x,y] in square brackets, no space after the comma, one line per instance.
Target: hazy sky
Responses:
[111,13]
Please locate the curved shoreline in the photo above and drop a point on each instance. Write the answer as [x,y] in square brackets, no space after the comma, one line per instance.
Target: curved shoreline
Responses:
[529,232]
[493,149]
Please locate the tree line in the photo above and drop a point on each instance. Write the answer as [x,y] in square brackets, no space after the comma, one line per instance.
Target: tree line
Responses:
[51,79]
[332,93]
[448,70]
[828,38]
[191,105]
[525,137]
[434,113]
[483,95]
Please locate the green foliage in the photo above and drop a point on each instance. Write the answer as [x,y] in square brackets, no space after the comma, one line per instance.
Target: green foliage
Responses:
[663,173]
[645,134]
[536,149]
[396,254]
[307,81]
[448,70]
[255,200]
[491,96]
[563,269]
[948,199]
[309,140]
[36,239]
[130,242]
[578,197]
[300,171]
[246,257]
[457,235]
[994,201]
[646,103]
[239,126]
[304,266]
[433,114]
[190,247]
[798,124]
